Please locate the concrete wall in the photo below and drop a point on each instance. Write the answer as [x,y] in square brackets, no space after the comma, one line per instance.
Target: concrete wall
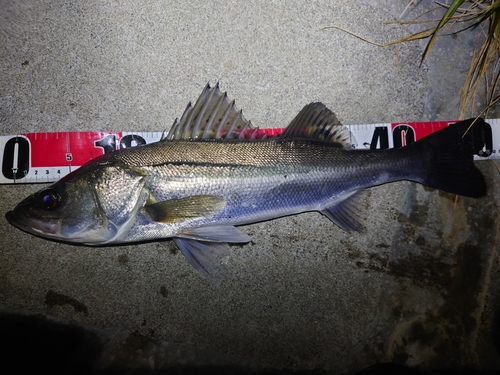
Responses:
[420,288]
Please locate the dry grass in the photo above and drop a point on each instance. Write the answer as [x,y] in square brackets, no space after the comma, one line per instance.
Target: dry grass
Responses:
[480,16]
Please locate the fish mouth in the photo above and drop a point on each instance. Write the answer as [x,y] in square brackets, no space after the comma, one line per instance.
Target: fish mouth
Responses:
[52,229]
[26,224]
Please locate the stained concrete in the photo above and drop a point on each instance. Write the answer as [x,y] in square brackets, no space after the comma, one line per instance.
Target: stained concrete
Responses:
[420,288]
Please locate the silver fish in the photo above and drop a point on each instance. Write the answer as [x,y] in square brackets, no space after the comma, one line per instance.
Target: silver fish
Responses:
[214,172]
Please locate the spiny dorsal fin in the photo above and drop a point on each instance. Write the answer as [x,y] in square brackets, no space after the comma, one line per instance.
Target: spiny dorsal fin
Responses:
[318,122]
[213,116]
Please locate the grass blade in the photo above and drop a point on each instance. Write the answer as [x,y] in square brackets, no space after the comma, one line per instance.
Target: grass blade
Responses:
[447,16]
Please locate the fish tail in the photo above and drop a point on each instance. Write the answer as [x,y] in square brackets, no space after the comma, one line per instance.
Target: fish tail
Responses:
[450,164]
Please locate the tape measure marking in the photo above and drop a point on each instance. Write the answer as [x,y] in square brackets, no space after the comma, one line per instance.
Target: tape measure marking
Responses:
[46,157]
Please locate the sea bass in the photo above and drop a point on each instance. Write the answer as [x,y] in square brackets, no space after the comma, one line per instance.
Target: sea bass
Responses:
[213,172]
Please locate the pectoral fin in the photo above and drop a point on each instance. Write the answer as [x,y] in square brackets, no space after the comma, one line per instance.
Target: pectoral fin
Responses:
[176,210]
[205,257]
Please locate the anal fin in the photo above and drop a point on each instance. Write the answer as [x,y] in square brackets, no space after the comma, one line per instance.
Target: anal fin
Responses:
[347,213]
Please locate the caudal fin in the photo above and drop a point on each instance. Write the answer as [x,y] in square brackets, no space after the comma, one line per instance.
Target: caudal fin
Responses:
[451,166]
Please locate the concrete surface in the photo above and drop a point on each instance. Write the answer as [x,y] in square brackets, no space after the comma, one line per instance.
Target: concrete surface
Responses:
[420,288]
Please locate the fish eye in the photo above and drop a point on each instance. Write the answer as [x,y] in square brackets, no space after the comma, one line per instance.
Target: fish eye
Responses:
[49,199]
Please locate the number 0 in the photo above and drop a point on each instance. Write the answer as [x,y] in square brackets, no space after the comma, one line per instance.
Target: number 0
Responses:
[16,158]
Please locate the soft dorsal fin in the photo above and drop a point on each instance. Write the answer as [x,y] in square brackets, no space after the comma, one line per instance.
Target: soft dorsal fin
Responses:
[213,116]
[318,122]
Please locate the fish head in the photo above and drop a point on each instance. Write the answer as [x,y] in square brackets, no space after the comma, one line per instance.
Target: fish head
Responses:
[91,206]
[66,211]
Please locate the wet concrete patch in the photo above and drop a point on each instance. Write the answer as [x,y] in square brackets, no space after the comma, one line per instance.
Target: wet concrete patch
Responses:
[57,299]
[444,255]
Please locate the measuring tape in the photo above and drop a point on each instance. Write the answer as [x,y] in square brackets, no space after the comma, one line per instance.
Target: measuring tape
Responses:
[46,157]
